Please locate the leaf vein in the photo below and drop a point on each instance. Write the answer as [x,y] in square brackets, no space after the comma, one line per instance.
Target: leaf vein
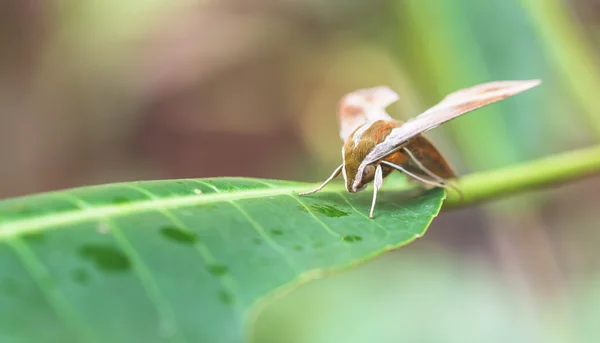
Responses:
[386,232]
[54,296]
[261,231]
[325,226]
[164,310]
[225,280]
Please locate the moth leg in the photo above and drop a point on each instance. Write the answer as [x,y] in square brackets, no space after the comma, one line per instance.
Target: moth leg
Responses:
[415,176]
[335,173]
[432,174]
[378,181]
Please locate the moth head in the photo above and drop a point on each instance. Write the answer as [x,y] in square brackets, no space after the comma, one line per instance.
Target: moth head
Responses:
[352,160]
[366,176]
[358,145]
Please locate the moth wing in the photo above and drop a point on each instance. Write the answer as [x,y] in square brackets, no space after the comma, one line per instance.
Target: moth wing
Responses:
[452,106]
[480,89]
[430,157]
[364,106]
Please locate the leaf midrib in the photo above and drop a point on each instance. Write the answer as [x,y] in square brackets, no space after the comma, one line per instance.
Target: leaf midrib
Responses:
[13,228]
[30,225]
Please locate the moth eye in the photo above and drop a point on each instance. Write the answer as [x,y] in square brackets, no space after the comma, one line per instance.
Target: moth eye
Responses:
[368,171]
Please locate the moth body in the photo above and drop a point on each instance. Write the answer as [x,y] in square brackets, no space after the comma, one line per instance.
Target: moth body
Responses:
[375,144]
[369,135]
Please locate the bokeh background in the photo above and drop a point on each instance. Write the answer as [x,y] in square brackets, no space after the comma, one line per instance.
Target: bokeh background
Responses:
[97,91]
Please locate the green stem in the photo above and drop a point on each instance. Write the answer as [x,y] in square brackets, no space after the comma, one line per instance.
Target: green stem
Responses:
[549,171]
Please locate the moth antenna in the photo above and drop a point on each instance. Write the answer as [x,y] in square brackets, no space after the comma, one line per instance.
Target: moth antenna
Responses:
[335,173]
[439,179]
[429,182]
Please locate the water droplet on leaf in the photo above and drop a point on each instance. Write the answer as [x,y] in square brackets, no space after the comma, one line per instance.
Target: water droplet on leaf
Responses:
[217,269]
[179,235]
[80,276]
[351,238]
[120,200]
[207,206]
[226,297]
[33,237]
[105,257]
[325,210]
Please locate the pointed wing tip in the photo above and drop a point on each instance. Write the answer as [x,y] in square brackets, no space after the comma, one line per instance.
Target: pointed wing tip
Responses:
[384,88]
[384,95]
[521,86]
[533,83]
[380,95]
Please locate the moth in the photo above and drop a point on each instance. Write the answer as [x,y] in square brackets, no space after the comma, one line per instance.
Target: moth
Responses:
[375,144]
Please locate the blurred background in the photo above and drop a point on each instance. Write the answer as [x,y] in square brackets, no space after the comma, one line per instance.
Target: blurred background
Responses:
[97,91]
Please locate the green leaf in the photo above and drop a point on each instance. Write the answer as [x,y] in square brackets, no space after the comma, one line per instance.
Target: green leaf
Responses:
[182,260]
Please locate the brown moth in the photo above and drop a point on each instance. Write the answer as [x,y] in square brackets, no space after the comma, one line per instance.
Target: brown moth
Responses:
[375,144]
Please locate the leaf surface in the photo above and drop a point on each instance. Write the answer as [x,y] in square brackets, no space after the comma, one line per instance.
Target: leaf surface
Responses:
[182,260]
